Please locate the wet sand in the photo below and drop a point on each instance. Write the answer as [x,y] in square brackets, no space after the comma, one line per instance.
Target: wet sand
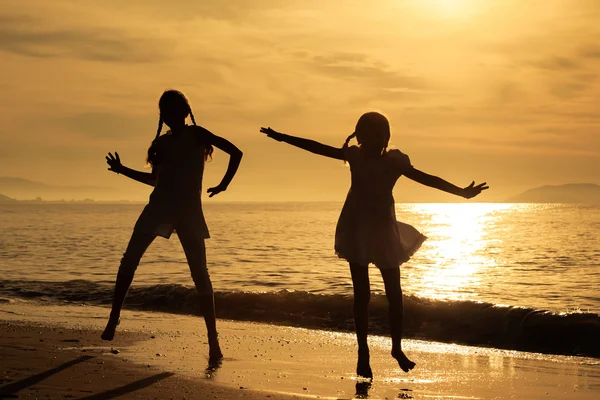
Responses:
[50,351]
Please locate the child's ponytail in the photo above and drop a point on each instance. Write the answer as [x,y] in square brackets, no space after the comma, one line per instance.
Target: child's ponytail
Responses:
[151,157]
[348,139]
[347,142]
[173,101]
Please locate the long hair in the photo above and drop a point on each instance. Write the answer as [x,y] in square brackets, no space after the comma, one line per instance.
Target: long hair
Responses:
[173,103]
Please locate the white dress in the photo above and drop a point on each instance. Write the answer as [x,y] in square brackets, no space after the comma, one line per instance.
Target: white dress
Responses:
[176,198]
[367,231]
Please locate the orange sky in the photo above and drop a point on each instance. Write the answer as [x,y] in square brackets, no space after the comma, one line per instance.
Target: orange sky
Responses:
[504,91]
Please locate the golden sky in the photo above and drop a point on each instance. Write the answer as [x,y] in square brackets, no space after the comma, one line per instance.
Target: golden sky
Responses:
[505,91]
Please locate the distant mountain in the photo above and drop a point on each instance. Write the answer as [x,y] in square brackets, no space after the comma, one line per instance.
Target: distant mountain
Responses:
[569,193]
[20,188]
[6,199]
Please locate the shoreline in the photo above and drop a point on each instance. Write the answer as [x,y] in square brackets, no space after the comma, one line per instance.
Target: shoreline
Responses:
[464,322]
[168,354]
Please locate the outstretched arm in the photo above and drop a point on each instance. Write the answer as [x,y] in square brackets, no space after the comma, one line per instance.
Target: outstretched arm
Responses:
[305,144]
[114,162]
[443,185]
[235,157]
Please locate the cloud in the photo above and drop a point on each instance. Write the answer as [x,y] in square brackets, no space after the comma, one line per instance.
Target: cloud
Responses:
[22,35]
[558,64]
[568,76]
[591,51]
[522,141]
[360,68]
[238,11]
[506,92]
[106,125]
[568,90]
[485,83]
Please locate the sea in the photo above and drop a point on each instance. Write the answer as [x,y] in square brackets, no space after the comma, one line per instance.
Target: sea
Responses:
[514,276]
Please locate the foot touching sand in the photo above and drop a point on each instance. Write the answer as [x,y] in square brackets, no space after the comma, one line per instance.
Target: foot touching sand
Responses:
[109,331]
[215,354]
[363,366]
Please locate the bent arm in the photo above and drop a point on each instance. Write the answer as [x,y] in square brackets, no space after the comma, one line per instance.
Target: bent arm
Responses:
[148,178]
[306,144]
[235,157]
[434,182]
[114,164]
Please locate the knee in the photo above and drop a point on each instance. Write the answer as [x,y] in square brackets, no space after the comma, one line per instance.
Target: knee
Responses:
[128,265]
[202,282]
[362,297]
[395,298]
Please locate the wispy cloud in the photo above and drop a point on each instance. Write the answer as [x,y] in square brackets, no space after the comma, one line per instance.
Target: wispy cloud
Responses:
[25,36]
[361,68]
[108,125]
[591,51]
[512,79]
[557,64]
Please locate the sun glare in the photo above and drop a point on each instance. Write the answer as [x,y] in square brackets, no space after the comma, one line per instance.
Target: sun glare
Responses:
[457,247]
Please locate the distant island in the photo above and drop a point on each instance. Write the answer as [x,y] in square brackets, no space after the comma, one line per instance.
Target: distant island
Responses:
[13,189]
[19,190]
[569,193]
[6,199]
[24,188]
[9,200]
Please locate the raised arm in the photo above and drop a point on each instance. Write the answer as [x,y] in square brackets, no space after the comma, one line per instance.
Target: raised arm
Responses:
[114,162]
[443,185]
[235,157]
[305,144]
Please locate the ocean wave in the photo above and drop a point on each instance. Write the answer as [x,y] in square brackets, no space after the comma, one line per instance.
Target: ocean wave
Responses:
[465,322]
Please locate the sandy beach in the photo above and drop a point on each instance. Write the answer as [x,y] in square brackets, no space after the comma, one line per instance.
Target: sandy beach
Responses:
[51,351]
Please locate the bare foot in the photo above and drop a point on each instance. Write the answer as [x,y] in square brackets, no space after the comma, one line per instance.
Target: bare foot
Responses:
[403,361]
[362,389]
[213,367]
[363,366]
[109,331]
[214,352]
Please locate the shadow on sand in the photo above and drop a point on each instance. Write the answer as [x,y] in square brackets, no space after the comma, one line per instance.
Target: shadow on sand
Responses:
[8,391]
[130,387]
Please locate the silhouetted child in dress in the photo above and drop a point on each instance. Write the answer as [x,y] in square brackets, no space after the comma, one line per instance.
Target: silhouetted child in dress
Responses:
[367,231]
[177,159]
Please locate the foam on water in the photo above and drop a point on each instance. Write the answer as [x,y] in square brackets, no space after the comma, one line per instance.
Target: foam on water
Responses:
[467,322]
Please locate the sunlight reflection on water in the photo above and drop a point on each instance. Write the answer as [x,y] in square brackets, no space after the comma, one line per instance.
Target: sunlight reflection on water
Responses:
[456,249]
[534,255]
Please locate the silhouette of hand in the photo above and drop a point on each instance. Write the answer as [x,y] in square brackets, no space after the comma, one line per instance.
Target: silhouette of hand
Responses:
[273,134]
[472,190]
[114,162]
[216,190]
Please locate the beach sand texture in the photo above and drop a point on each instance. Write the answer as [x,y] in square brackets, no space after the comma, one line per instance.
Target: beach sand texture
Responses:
[55,352]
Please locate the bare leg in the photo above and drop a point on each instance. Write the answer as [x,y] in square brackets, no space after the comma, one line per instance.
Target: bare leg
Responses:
[362,295]
[138,244]
[195,252]
[207,307]
[393,292]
